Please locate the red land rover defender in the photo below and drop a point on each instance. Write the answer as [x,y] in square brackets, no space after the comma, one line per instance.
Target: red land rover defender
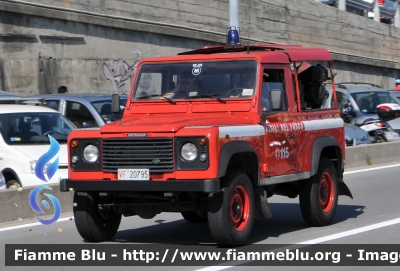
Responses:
[213,133]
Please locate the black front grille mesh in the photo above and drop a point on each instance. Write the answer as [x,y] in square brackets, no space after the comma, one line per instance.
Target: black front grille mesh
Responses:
[156,154]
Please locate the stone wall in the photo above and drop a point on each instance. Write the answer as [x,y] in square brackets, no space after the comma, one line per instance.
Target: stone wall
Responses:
[92,45]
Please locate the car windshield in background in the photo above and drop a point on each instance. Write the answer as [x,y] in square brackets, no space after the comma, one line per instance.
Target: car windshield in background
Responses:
[368,101]
[104,109]
[34,128]
[192,80]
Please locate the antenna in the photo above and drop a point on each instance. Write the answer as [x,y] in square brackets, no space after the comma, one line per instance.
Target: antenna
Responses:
[248,31]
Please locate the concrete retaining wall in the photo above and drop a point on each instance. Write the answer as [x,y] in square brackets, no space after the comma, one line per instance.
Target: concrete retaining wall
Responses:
[15,204]
[372,155]
[91,46]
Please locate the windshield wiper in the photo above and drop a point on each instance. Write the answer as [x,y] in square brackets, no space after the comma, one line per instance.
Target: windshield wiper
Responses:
[156,95]
[213,96]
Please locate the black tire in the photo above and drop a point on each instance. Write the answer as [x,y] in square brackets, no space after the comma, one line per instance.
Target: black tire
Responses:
[194,217]
[227,226]
[92,225]
[13,184]
[381,139]
[319,195]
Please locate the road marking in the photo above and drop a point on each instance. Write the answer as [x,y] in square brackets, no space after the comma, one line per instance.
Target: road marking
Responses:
[369,169]
[351,232]
[32,224]
[318,241]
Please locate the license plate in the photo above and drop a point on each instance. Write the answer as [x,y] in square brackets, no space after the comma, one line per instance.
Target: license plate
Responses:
[133,174]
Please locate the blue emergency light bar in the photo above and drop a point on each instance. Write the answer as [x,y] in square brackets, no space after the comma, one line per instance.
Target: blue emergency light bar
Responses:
[232,37]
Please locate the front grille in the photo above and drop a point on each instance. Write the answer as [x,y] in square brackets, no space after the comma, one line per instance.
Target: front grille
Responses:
[156,154]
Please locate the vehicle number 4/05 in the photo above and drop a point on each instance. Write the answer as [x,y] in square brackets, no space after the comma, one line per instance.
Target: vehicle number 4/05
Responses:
[137,174]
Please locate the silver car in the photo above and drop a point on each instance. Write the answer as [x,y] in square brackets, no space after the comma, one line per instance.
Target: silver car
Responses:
[358,102]
[84,110]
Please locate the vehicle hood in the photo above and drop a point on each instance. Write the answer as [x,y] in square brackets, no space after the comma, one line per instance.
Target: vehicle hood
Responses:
[34,152]
[172,124]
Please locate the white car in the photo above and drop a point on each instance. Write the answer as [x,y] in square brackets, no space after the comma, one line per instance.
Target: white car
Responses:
[24,139]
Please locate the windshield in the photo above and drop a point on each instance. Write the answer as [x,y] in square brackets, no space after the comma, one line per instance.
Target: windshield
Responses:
[104,109]
[191,80]
[368,101]
[34,128]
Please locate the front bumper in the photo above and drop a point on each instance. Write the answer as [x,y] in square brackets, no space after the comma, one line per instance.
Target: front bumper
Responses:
[207,186]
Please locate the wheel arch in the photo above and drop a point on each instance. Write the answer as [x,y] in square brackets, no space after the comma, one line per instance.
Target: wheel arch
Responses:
[329,147]
[242,154]
[9,174]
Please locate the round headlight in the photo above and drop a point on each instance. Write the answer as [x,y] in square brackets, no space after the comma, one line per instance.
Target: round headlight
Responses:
[91,153]
[189,152]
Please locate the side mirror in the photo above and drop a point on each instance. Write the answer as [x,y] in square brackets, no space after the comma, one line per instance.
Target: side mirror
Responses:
[276,99]
[115,104]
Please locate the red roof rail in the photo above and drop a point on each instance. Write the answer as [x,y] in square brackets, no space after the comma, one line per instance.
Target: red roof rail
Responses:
[278,45]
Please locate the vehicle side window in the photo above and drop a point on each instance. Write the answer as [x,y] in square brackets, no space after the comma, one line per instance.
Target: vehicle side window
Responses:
[272,79]
[53,104]
[340,96]
[312,90]
[80,115]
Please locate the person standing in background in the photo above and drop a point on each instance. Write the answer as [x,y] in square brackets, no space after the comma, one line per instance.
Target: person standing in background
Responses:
[62,89]
[397,87]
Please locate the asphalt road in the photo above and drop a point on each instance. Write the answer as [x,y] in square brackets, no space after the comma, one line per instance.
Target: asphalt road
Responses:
[376,200]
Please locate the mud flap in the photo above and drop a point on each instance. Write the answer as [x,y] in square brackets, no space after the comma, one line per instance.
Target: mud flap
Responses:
[344,190]
[261,207]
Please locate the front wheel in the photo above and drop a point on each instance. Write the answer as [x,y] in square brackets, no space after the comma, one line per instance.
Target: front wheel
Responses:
[319,196]
[231,213]
[94,224]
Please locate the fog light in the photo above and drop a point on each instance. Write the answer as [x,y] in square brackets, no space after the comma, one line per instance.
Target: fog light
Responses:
[74,159]
[203,157]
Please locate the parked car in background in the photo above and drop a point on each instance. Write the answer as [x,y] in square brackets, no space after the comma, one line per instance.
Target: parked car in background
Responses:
[24,131]
[8,98]
[358,102]
[387,11]
[355,135]
[84,110]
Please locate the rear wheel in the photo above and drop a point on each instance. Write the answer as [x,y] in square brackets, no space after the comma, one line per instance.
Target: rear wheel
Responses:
[93,224]
[380,139]
[318,195]
[13,184]
[231,213]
